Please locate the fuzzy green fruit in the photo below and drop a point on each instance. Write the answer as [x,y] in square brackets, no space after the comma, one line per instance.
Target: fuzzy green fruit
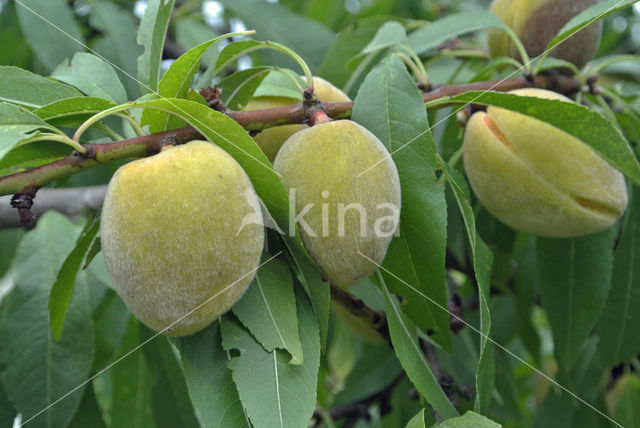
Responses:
[271,139]
[341,213]
[536,23]
[537,178]
[173,237]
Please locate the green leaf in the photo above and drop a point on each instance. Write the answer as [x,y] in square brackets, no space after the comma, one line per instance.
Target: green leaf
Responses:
[276,84]
[347,45]
[273,22]
[469,420]
[375,370]
[130,383]
[191,32]
[482,266]
[588,17]
[72,110]
[526,283]
[273,392]
[418,421]
[17,124]
[118,44]
[88,413]
[18,86]
[575,276]
[438,32]
[588,126]
[31,155]
[38,370]
[175,83]
[62,290]
[91,75]
[234,50]
[211,388]
[50,29]
[16,119]
[7,412]
[169,396]
[390,34]
[405,342]
[620,323]
[390,106]
[268,310]
[238,88]
[628,401]
[151,35]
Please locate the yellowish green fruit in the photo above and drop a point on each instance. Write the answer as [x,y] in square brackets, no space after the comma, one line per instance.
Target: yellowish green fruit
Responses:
[539,179]
[346,193]
[270,140]
[173,237]
[536,23]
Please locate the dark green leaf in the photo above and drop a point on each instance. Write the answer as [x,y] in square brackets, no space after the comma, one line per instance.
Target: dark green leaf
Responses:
[273,22]
[586,125]
[211,388]
[39,370]
[118,44]
[390,106]
[62,289]
[169,396]
[93,76]
[50,29]
[268,310]
[349,42]
[620,323]
[88,413]
[526,284]
[575,276]
[408,350]
[151,35]
[374,371]
[130,383]
[7,412]
[190,32]
[273,392]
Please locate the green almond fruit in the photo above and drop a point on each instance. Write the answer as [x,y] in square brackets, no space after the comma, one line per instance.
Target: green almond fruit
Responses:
[539,179]
[537,22]
[175,237]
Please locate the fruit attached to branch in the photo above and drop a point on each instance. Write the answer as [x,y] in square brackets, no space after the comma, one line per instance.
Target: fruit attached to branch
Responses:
[345,190]
[537,22]
[181,235]
[539,179]
[270,140]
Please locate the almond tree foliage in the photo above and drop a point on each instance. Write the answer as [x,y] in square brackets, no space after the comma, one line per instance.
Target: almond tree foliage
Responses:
[474,324]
